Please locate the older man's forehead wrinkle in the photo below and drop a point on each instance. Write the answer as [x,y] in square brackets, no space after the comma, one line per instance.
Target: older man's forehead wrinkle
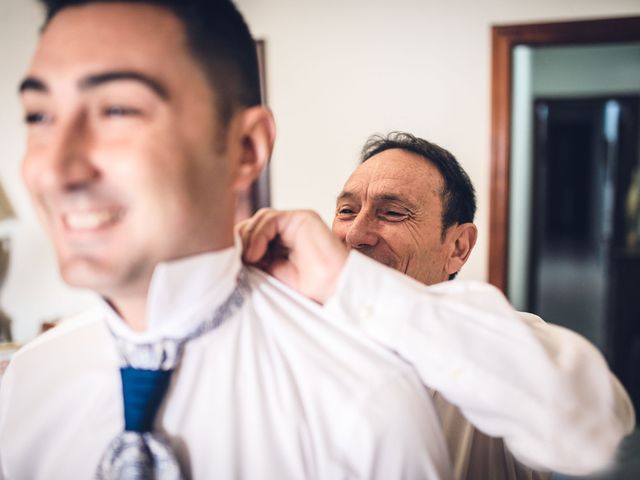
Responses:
[352,191]
[347,195]
[397,191]
[403,173]
[402,166]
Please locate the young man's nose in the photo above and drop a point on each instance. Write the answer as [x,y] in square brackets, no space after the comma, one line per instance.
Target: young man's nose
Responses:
[62,161]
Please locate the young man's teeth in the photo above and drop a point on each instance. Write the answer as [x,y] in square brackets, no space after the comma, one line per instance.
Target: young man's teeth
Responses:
[89,220]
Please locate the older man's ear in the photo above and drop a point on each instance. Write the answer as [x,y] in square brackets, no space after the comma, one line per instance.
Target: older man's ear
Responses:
[463,238]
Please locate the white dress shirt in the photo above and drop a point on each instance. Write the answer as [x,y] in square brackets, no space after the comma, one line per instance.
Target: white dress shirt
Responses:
[543,389]
[279,391]
[288,389]
[475,455]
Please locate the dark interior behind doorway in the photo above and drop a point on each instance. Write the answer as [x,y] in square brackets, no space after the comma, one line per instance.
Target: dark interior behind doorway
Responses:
[585,261]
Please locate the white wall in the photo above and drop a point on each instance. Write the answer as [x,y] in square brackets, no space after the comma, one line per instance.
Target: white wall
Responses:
[338,70]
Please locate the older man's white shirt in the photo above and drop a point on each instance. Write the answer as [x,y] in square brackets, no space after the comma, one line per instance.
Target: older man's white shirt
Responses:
[543,389]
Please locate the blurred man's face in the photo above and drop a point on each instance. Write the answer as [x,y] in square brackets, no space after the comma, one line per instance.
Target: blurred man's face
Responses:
[122,159]
[391,210]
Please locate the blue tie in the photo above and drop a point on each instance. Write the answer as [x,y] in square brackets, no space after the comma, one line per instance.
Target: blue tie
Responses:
[139,453]
[142,391]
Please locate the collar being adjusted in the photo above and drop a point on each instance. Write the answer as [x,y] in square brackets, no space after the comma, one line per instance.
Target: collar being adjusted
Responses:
[181,294]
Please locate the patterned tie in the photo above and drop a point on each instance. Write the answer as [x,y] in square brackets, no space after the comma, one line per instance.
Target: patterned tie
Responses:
[138,453]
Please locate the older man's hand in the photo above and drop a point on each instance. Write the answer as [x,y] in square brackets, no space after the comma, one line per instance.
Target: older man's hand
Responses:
[297,248]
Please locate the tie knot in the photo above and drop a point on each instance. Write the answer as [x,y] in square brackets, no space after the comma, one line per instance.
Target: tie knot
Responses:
[143,391]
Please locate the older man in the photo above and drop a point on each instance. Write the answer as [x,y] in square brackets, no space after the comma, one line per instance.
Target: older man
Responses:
[410,206]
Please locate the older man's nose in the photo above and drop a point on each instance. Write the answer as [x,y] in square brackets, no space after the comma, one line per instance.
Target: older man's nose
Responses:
[362,232]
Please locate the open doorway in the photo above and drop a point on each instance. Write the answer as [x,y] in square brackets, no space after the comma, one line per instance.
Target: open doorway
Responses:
[584,243]
[576,261]
[586,85]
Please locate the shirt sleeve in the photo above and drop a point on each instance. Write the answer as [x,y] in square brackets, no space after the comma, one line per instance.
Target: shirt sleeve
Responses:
[544,389]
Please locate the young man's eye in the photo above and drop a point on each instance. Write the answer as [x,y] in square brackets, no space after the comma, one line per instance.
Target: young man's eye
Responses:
[120,111]
[35,118]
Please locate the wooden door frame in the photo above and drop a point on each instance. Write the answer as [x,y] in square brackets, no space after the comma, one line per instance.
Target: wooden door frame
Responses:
[261,188]
[504,39]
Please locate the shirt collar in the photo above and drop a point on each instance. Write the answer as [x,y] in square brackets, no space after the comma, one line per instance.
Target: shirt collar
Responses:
[182,293]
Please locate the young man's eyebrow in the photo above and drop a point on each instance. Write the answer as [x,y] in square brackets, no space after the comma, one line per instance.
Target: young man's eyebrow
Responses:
[32,84]
[96,80]
[99,79]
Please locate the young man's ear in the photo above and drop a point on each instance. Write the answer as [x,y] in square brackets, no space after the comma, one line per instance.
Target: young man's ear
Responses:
[254,130]
[464,239]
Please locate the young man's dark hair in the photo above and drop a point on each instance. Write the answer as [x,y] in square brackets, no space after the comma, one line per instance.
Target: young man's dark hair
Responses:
[219,39]
[458,195]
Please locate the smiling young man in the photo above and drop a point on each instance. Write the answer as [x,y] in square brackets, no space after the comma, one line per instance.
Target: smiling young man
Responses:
[144,125]
[505,384]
